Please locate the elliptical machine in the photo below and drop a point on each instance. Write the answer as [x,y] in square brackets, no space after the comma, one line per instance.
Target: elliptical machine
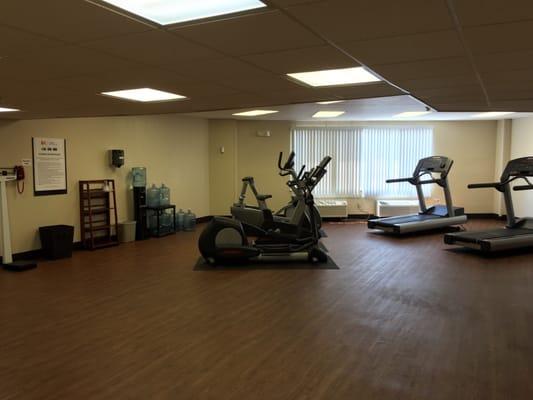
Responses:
[289,218]
[224,239]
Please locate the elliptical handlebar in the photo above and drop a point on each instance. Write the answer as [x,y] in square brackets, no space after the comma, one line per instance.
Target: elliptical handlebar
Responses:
[324,163]
[317,173]
[300,174]
[308,178]
[288,167]
[289,163]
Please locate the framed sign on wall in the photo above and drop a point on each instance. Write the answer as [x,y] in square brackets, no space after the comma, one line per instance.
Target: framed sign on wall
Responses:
[49,166]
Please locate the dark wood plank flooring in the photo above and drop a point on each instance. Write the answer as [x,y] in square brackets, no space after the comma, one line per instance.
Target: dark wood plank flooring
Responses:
[403,318]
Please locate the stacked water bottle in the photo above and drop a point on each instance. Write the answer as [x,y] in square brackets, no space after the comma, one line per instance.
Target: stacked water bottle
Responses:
[185,221]
[160,196]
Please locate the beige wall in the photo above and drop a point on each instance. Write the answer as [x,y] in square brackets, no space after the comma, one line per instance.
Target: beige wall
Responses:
[472,145]
[503,154]
[246,154]
[222,167]
[522,146]
[173,149]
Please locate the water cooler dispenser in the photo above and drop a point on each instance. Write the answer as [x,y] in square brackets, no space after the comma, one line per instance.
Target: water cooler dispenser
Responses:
[139,201]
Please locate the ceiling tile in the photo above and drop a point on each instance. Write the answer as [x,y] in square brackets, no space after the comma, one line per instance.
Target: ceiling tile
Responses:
[142,77]
[397,49]
[59,62]
[511,91]
[298,95]
[217,69]
[20,93]
[437,82]
[348,20]
[484,12]
[251,34]
[521,75]
[444,107]
[363,91]
[262,81]
[472,101]
[301,60]
[287,3]
[499,38]
[504,61]
[238,100]
[16,42]
[517,84]
[525,105]
[473,90]
[153,48]
[67,20]
[424,69]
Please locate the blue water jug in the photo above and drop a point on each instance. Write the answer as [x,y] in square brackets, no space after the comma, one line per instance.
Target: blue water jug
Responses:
[166,221]
[152,196]
[190,221]
[180,220]
[164,195]
[152,222]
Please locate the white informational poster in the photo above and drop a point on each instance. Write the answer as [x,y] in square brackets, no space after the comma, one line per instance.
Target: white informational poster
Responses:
[49,166]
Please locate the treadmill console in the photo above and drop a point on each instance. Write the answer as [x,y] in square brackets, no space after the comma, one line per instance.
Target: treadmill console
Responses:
[518,167]
[437,164]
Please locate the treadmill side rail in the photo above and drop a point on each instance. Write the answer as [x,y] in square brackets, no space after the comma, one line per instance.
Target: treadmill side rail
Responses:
[416,225]
[492,244]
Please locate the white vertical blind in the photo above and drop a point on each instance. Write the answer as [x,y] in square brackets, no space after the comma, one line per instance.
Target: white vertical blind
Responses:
[313,144]
[363,158]
[387,153]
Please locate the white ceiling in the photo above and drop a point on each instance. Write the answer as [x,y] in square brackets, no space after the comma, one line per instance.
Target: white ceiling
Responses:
[377,109]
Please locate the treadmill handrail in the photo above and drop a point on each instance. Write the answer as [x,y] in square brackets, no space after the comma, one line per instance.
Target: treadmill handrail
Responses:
[414,181]
[500,185]
[398,180]
[523,187]
[484,185]
[429,181]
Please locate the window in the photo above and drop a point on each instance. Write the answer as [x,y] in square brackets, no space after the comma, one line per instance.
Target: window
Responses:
[364,158]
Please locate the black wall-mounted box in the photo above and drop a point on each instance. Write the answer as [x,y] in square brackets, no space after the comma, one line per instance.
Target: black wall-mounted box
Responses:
[117,158]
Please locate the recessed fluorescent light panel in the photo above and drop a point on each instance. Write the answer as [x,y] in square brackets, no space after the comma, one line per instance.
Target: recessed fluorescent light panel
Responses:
[492,114]
[145,95]
[328,114]
[255,113]
[409,114]
[5,109]
[329,102]
[166,12]
[335,77]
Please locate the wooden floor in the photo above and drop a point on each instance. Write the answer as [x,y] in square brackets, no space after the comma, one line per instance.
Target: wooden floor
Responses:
[401,319]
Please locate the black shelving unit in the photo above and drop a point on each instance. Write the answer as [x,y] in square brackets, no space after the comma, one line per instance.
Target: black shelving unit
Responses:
[159,211]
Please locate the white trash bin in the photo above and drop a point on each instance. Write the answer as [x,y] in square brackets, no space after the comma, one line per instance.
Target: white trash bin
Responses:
[126,231]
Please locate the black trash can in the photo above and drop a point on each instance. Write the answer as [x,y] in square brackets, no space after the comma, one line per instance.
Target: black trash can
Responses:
[56,241]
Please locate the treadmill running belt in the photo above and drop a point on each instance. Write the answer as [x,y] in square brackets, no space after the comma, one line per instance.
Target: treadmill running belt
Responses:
[492,234]
[405,219]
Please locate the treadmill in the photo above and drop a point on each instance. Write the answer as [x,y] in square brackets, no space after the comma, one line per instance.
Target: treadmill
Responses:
[434,217]
[518,232]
